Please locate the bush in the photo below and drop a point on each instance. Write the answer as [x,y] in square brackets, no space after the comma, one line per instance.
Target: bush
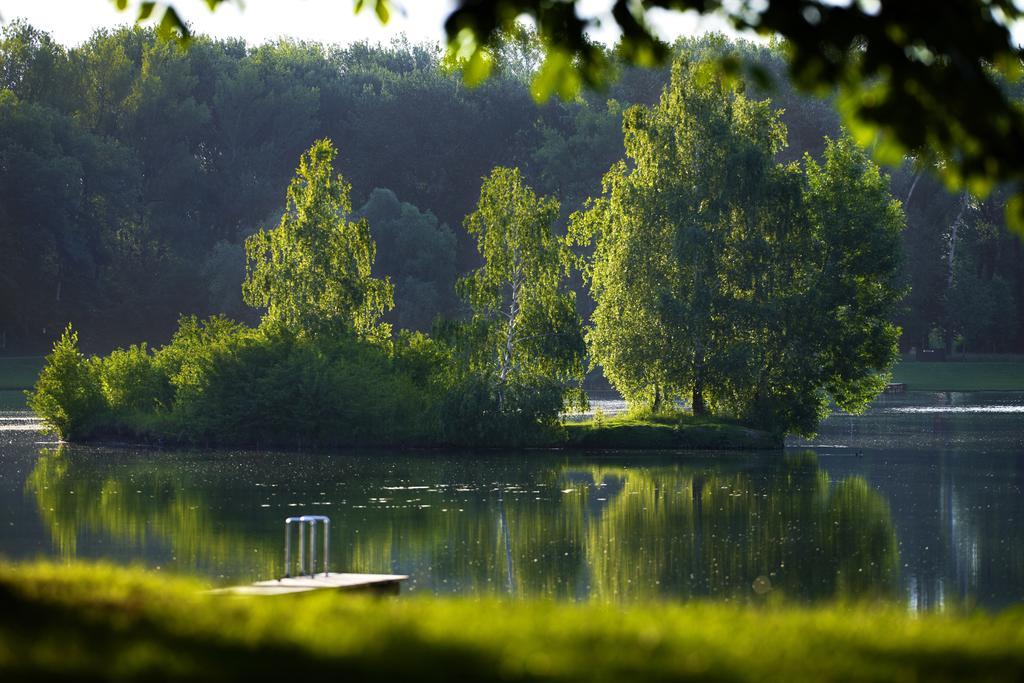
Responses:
[235,385]
[133,383]
[478,410]
[67,395]
[220,382]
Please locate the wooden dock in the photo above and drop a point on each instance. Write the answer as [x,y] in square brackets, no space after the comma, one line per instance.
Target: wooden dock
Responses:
[309,581]
[378,584]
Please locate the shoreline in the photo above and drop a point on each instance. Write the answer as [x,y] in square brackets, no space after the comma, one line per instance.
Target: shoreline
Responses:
[615,435]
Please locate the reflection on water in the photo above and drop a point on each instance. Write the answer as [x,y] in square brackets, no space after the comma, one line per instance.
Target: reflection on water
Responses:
[930,521]
[524,525]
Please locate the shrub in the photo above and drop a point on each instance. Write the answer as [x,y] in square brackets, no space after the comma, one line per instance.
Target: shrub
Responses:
[473,412]
[220,382]
[132,382]
[67,395]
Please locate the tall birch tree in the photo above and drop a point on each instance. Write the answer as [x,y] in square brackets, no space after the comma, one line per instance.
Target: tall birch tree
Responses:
[520,294]
[312,272]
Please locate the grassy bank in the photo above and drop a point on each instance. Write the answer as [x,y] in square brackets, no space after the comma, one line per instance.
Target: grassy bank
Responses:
[675,431]
[98,622]
[960,376]
[16,375]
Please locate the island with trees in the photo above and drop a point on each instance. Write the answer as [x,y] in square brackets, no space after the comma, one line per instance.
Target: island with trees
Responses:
[736,297]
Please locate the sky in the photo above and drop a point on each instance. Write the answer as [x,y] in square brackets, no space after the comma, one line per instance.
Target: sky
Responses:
[71,22]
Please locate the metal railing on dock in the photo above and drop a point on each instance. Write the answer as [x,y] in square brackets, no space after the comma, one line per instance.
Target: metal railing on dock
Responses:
[302,522]
[303,582]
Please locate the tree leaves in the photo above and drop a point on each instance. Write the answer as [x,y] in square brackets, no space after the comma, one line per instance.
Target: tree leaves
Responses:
[519,295]
[924,78]
[313,271]
[382,8]
[727,279]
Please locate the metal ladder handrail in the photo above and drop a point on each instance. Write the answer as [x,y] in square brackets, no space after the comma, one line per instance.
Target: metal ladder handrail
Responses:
[312,520]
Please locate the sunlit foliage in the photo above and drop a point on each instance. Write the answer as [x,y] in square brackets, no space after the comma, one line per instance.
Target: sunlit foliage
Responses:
[67,395]
[530,331]
[312,273]
[734,282]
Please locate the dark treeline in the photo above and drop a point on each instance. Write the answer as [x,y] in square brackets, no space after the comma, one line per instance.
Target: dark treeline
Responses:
[131,173]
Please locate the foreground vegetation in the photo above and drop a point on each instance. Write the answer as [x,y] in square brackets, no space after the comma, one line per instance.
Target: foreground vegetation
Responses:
[89,622]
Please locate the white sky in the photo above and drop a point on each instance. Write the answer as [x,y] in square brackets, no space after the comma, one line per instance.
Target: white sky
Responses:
[71,22]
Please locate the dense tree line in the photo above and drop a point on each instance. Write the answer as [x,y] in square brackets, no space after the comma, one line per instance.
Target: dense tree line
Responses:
[131,173]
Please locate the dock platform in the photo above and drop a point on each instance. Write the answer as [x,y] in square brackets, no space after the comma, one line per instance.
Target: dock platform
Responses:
[379,584]
[307,580]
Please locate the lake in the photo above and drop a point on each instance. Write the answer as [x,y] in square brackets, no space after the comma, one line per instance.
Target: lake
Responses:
[918,502]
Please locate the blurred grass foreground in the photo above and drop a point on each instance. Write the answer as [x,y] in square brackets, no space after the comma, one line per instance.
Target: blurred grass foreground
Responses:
[98,622]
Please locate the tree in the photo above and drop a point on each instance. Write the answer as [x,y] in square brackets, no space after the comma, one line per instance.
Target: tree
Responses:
[662,228]
[417,254]
[312,272]
[519,295]
[725,278]
[67,395]
[924,77]
[124,163]
[979,309]
[847,343]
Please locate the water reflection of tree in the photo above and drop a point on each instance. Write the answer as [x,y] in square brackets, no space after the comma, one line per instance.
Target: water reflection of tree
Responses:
[140,508]
[680,532]
[535,528]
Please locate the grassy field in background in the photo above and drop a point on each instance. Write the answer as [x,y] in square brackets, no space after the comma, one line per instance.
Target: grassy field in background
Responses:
[16,375]
[19,372]
[960,376]
[12,399]
[88,622]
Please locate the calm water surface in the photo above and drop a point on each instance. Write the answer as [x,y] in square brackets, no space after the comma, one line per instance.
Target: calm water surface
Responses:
[918,502]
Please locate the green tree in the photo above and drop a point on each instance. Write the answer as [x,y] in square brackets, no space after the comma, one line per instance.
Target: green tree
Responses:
[312,272]
[979,306]
[850,288]
[700,161]
[67,395]
[224,273]
[519,296]
[924,78]
[417,254]
[725,278]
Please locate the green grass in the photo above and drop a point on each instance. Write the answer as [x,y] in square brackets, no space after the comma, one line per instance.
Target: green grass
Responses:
[960,376]
[62,622]
[666,431]
[12,399]
[19,372]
